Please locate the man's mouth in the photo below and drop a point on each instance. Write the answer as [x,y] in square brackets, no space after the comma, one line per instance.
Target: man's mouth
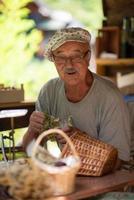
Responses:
[70,71]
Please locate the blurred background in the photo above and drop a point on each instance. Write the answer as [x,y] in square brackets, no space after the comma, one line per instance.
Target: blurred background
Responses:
[25,28]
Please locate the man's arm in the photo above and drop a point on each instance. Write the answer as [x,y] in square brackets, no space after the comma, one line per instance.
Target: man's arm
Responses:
[115,126]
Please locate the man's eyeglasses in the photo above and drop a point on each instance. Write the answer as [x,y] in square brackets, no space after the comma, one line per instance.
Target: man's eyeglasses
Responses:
[73,59]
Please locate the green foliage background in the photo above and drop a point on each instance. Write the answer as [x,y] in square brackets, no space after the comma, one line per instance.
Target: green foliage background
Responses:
[19,41]
[16,46]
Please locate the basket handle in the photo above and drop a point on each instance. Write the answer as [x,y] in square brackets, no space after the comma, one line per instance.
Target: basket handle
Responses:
[48,132]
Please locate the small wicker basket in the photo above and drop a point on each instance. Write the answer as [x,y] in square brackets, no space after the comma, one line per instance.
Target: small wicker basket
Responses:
[63,177]
[97,157]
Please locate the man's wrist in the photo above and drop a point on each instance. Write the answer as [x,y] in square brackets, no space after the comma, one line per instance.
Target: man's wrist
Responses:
[32,134]
[29,147]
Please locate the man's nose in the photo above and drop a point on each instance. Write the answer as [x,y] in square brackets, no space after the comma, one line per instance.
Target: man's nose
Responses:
[69,62]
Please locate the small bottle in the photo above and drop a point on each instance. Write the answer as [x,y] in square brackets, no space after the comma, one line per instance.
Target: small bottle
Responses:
[131,37]
[125,48]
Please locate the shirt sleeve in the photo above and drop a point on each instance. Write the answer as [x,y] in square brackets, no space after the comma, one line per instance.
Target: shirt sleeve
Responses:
[47,96]
[115,126]
[42,101]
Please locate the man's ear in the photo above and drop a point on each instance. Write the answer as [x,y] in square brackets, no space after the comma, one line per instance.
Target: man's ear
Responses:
[88,57]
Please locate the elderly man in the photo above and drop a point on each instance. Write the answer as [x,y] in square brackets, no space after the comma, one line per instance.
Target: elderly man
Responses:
[95,104]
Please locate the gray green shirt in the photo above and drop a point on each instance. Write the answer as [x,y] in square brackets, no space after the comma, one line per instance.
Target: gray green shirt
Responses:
[102,113]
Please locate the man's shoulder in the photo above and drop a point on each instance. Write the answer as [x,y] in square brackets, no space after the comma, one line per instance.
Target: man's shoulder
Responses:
[106,88]
[52,83]
[105,83]
[104,80]
[50,88]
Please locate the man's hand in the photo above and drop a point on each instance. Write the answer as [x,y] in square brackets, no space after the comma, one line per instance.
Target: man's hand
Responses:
[36,123]
[60,139]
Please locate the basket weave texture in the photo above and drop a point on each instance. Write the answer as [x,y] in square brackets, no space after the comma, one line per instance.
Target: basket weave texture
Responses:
[97,157]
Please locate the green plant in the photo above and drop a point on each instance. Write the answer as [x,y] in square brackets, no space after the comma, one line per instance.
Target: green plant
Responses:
[19,40]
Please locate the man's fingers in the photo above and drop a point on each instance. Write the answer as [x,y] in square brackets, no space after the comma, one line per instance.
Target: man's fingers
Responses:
[36,125]
[37,117]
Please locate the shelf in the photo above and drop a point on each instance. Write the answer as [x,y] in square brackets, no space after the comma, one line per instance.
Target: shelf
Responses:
[109,67]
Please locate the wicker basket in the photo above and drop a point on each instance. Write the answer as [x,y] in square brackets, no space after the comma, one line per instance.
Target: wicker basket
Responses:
[63,177]
[97,157]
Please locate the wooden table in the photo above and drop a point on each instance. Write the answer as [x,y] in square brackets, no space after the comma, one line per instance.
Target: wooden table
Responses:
[19,122]
[87,187]
[92,186]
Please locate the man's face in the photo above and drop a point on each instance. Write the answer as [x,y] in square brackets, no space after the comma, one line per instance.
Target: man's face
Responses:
[72,60]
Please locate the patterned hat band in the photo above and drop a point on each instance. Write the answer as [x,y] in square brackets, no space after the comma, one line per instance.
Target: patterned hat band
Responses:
[64,35]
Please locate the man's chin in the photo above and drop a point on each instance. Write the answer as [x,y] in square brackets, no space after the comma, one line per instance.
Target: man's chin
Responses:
[71,80]
[71,83]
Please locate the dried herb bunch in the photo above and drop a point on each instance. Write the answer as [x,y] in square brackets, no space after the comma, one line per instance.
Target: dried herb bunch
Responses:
[53,122]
